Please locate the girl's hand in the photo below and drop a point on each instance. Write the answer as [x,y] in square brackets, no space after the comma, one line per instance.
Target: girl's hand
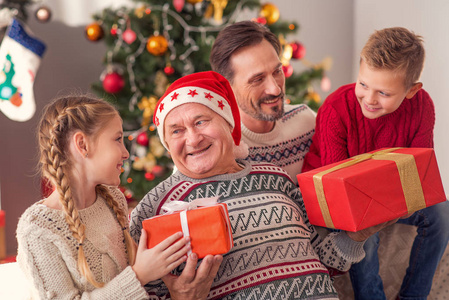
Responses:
[152,264]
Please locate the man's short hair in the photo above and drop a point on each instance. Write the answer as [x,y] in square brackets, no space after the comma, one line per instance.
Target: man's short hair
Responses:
[396,49]
[235,37]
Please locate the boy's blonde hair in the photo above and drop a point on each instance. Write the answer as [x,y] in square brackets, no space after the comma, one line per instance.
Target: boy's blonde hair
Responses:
[60,119]
[396,49]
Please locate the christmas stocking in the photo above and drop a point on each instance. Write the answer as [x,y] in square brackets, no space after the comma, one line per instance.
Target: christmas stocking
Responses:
[20,56]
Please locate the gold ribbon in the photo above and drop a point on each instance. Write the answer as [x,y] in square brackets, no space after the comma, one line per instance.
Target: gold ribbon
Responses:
[408,174]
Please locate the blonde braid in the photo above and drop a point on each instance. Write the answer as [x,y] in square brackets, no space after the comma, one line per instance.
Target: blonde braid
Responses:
[60,119]
[64,189]
[122,219]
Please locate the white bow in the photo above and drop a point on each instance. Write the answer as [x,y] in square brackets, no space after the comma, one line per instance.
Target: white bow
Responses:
[176,205]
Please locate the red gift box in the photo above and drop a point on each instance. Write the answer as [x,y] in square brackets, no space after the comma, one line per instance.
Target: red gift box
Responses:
[2,218]
[208,227]
[371,188]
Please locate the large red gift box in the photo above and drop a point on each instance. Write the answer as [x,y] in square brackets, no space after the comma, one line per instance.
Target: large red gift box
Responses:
[208,227]
[371,188]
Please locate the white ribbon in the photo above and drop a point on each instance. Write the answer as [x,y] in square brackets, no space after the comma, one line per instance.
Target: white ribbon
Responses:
[185,227]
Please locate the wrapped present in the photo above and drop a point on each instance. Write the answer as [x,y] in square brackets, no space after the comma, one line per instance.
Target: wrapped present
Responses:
[2,235]
[371,188]
[204,220]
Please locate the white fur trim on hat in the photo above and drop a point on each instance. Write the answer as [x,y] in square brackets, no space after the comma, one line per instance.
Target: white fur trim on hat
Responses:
[191,94]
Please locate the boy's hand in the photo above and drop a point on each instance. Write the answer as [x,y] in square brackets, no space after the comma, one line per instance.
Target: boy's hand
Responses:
[194,284]
[152,264]
[364,234]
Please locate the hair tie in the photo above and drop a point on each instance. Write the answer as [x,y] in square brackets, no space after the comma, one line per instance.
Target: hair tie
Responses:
[80,244]
[123,228]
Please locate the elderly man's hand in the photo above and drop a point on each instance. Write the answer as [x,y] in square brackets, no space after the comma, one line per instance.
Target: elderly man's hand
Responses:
[364,234]
[194,284]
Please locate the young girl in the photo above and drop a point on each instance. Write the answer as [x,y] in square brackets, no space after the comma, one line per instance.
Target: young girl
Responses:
[75,244]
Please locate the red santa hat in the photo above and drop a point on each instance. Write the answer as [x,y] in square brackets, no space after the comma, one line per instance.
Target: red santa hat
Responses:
[207,88]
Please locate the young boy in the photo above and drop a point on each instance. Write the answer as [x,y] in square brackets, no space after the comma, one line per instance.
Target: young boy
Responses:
[386,107]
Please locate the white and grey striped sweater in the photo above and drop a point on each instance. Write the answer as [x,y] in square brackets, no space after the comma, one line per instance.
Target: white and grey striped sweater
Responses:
[277,253]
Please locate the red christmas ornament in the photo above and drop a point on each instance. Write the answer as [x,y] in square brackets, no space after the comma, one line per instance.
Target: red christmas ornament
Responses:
[113,83]
[128,195]
[114,30]
[288,70]
[157,170]
[149,176]
[260,20]
[178,4]
[299,51]
[169,70]
[142,139]
[129,36]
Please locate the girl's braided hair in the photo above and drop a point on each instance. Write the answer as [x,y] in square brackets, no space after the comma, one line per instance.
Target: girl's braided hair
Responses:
[60,119]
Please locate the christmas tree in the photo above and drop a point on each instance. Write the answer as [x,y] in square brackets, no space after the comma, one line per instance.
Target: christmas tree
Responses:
[156,42]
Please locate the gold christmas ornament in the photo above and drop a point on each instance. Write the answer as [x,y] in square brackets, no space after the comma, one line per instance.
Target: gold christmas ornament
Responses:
[270,12]
[219,6]
[156,147]
[287,54]
[160,84]
[144,163]
[147,106]
[94,32]
[209,11]
[157,45]
[140,11]
[313,96]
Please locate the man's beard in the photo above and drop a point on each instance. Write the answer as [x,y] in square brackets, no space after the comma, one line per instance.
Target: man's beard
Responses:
[276,112]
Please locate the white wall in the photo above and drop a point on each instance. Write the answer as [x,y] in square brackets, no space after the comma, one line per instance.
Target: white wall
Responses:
[429,19]
[326,28]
